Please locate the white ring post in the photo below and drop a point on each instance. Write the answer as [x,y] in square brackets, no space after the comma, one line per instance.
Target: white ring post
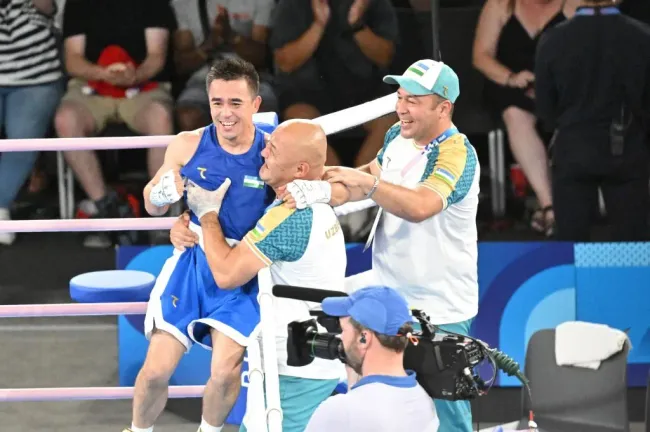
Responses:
[254,419]
[270,359]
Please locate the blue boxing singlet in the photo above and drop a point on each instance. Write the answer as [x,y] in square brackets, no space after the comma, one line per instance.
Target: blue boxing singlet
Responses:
[247,197]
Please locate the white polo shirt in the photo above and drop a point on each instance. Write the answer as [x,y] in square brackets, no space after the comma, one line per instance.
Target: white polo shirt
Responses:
[303,248]
[433,263]
[378,403]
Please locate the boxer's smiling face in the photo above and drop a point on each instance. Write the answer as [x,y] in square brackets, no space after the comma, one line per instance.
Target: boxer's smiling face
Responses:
[232,105]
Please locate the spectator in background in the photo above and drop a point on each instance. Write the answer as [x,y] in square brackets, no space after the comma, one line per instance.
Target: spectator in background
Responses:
[209,29]
[30,89]
[593,89]
[116,54]
[332,55]
[504,51]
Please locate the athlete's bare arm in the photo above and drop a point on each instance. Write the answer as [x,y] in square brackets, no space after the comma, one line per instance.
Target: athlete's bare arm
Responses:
[179,151]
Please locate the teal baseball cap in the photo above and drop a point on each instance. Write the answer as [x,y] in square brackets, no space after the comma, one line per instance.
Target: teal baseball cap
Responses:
[425,77]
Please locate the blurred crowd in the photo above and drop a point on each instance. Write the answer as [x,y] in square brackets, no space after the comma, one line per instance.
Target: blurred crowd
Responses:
[84,68]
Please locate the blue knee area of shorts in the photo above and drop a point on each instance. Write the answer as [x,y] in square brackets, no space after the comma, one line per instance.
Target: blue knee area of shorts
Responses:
[191,301]
[455,416]
[236,315]
[299,398]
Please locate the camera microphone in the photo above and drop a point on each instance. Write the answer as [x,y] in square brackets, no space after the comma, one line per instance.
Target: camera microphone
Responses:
[305,294]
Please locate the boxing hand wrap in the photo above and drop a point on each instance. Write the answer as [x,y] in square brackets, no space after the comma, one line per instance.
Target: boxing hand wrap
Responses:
[307,193]
[164,192]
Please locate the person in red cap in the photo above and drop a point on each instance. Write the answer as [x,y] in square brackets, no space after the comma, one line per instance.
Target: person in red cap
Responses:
[120,72]
[376,329]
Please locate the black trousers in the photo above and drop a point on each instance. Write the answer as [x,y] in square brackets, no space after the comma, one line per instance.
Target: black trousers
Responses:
[624,182]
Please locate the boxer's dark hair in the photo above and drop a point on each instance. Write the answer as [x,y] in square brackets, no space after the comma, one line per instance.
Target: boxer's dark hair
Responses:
[232,69]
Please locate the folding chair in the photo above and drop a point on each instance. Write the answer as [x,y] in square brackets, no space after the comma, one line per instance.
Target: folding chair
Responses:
[573,398]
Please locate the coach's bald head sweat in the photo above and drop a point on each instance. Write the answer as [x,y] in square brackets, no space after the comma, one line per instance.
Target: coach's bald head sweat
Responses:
[296,150]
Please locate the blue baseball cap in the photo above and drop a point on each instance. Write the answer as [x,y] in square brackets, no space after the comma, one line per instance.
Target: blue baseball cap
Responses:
[381,309]
[426,77]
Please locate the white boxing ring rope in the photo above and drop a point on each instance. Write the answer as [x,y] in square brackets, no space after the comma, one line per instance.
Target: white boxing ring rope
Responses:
[259,375]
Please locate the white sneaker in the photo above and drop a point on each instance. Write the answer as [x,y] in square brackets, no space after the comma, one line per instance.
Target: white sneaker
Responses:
[6,238]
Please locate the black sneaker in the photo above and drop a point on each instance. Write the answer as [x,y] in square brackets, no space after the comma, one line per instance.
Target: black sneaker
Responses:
[112,206]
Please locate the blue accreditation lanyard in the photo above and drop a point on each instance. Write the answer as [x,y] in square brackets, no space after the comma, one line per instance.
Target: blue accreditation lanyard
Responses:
[425,151]
[592,11]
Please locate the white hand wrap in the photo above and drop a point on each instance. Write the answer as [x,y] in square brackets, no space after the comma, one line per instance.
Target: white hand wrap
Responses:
[165,193]
[202,201]
[306,193]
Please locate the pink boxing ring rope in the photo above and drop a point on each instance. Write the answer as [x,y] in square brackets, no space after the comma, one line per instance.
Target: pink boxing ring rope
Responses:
[96,143]
[72,309]
[61,225]
[88,393]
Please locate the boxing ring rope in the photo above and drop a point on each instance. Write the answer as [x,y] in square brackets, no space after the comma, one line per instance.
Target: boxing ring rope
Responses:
[96,143]
[127,224]
[331,123]
[260,375]
[88,393]
[72,309]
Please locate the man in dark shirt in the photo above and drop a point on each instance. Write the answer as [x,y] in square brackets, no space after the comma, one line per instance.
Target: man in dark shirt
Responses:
[332,55]
[116,54]
[592,85]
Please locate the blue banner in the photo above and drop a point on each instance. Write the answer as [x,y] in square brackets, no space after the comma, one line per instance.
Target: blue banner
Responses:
[525,287]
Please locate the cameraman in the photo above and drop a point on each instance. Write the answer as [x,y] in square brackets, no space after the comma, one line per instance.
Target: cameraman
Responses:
[376,325]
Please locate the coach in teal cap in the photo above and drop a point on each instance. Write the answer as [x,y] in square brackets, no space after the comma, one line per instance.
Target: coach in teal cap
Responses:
[426,77]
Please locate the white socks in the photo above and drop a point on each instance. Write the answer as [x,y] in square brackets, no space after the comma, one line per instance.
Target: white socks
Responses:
[205,427]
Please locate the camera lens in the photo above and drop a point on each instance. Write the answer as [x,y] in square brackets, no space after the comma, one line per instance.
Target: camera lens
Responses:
[326,346]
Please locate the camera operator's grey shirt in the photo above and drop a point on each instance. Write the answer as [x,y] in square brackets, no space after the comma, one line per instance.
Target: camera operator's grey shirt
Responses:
[378,403]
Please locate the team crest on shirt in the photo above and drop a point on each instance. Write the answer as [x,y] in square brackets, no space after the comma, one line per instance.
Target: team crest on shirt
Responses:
[253,182]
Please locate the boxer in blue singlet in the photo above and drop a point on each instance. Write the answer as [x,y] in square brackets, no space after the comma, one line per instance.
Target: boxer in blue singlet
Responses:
[186,305]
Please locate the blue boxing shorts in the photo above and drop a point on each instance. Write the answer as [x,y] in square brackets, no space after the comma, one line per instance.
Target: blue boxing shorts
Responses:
[187,303]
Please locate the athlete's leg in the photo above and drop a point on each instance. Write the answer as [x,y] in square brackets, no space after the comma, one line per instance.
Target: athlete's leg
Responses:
[222,389]
[455,416]
[151,385]
[173,304]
